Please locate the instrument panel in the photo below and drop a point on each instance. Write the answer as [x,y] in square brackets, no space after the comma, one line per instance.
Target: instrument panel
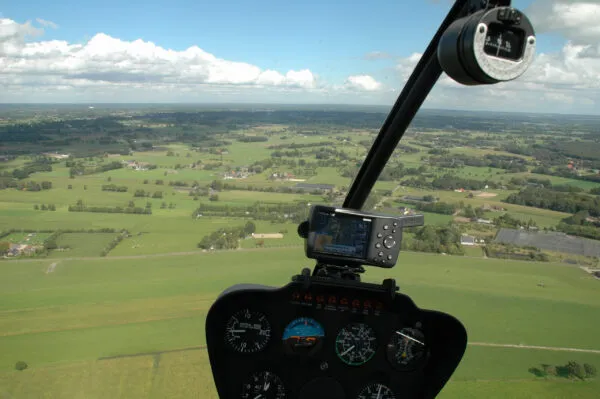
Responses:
[329,340]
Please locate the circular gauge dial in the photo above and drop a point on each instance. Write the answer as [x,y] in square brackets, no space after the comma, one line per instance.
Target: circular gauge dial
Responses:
[407,348]
[376,391]
[263,385]
[355,344]
[303,336]
[247,331]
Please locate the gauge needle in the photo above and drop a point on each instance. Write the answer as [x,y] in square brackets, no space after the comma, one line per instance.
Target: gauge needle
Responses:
[409,337]
[347,350]
[237,331]
[379,392]
[267,385]
[258,396]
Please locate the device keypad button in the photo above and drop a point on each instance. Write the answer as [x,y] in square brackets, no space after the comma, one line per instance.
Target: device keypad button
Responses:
[389,242]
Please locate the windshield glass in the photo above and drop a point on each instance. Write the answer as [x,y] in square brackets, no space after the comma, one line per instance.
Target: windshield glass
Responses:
[152,155]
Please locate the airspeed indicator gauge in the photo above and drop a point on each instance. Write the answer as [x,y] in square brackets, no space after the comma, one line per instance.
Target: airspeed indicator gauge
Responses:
[356,344]
[248,331]
[376,391]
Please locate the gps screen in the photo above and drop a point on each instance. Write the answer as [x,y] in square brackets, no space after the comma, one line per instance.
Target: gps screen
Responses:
[341,235]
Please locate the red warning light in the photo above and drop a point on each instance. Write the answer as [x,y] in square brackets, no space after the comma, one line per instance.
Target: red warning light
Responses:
[367,304]
[356,303]
[320,299]
[332,300]
[344,301]
[308,297]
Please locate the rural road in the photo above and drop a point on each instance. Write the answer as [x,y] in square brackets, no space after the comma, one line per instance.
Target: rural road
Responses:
[187,253]
[546,348]
[203,347]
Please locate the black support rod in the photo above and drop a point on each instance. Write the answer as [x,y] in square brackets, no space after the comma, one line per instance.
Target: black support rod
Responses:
[414,93]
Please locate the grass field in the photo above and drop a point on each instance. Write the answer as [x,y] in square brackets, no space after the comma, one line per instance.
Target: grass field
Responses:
[61,323]
[82,244]
[26,238]
[62,314]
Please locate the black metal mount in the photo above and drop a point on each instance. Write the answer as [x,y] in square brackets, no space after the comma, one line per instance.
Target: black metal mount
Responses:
[339,276]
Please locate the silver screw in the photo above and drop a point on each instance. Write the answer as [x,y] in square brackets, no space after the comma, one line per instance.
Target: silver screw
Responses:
[324,366]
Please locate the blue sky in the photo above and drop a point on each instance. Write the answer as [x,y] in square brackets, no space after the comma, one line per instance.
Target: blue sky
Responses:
[330,41]
[330,37]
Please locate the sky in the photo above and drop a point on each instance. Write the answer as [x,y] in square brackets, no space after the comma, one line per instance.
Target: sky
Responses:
[268,51]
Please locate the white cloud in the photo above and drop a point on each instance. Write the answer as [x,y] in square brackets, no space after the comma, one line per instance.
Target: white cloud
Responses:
[578,21]
[362,82]
[377,55]
[46,23]
[114,63]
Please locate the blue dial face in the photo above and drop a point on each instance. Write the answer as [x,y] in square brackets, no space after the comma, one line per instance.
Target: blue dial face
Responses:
[303,336]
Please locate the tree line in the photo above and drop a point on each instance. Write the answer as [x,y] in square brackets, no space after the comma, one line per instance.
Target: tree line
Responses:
[562,202]
[294,212]
[131,208]
[25,186]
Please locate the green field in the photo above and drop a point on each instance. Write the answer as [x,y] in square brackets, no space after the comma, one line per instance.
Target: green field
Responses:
[66,313]
[26,238]
[62,322]
[81,244]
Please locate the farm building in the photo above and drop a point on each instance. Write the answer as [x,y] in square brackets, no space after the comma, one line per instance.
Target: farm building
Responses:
[467,240]
[551,241]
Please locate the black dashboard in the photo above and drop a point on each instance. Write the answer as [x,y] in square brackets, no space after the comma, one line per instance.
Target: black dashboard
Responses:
[325,338]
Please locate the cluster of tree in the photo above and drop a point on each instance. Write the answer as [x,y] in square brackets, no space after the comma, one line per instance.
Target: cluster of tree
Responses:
[595,191]
[24,186]
[408,149]
[508,221]
[269,189]
[131,208]
[507,251]
[199,192]
[40,165]
[178,183]
[114,187]
[563,171]
[252,139]
[295,212]
[436,207]
[579,224]
[163,205]
[472,213]
[512,164]
[143,193]
[294,146]
[79,168]
[438,239]
[557,201]
[586,231]
[289,153]
[113,243]
[572,369]
[227,238]
[451,182]
[44,207]
[439,151]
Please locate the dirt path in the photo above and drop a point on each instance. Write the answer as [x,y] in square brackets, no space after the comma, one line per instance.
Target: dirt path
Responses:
[51,268]
[546,348]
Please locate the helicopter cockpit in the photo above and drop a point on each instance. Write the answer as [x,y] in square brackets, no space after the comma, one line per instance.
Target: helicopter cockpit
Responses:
[327,334]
